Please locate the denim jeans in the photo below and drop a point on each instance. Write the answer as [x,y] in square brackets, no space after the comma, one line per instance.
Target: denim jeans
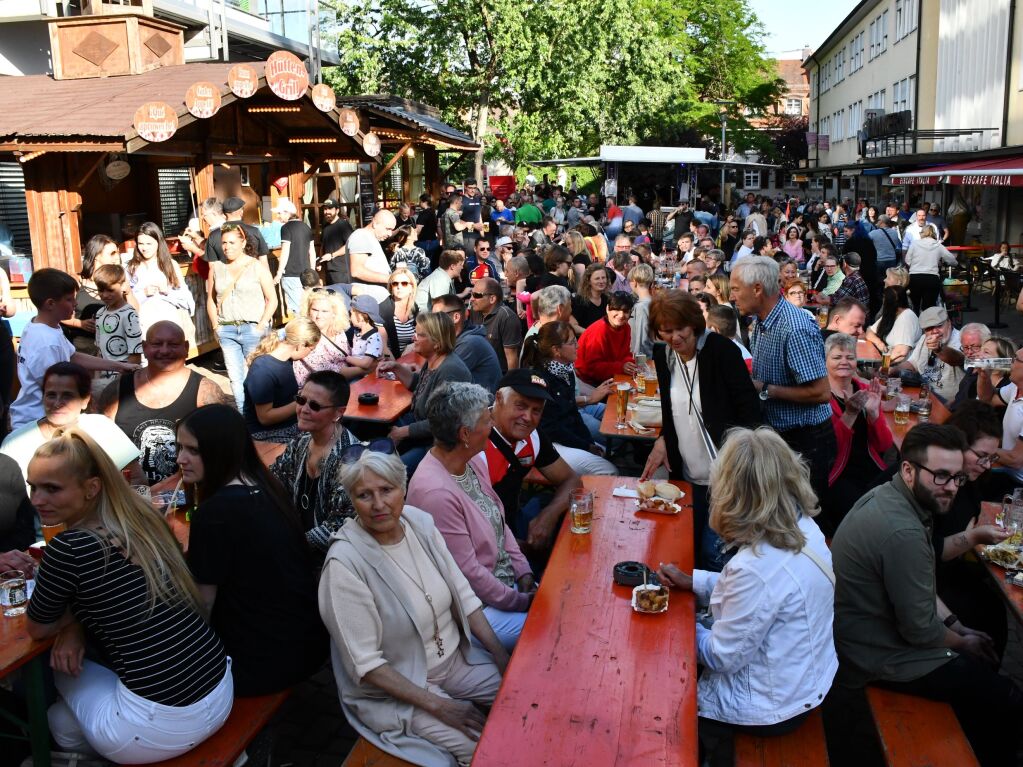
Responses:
[292,287]
[237,342]
[592,415]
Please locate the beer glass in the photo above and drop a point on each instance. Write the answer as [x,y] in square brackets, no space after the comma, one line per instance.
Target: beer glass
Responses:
[13,593]
[51,531]
[902,410]
[622,405]
[581,508]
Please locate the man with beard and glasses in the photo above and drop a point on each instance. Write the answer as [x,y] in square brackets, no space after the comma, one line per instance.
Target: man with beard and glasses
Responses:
[891,630]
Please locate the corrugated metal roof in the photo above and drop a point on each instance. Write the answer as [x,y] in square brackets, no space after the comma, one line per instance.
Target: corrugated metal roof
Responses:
[423,116]
[39,106]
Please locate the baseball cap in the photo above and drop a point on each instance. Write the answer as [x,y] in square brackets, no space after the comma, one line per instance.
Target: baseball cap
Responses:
[284,205]
[526,382]
[368,306]
[329,203]
[930,318]
[232,204]
[502,241]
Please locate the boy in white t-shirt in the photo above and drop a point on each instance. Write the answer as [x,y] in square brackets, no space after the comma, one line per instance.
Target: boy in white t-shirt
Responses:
[118,331]
[43,343]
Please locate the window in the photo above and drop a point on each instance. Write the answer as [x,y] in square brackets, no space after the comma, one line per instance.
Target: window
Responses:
[902,94]
[855,119]
[840,66]
[883,33]
[751,179]
[905,18]
[856,53]
[175,198]
[876,100]
[873,40]
[793,106]
[13,209]
[817,182]
[815,82]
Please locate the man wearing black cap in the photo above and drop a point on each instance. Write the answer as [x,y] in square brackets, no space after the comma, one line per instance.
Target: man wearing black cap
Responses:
[233,208]
[334,238]
[515,448]
[472,205]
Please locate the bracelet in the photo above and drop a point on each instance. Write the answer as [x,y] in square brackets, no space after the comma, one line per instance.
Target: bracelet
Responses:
[950,621]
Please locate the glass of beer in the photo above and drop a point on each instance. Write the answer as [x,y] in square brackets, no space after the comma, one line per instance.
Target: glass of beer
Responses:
[51,531]
[902,410]
[886,362]
[581,508]
[650,384]
[822,317]
[13,593]
[622,404]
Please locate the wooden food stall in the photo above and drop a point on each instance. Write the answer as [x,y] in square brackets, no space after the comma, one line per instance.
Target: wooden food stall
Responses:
[124,132]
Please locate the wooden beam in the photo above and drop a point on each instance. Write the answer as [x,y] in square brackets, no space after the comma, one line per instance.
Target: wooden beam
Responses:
[90,171]
[390,164]
[461,156]
[85,146]
[314,163]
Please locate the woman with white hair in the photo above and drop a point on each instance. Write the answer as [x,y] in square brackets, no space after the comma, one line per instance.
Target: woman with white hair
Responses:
[401,614]
[769,656]
[452,483]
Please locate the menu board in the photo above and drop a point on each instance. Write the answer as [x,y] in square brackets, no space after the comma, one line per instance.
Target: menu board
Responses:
[367,192]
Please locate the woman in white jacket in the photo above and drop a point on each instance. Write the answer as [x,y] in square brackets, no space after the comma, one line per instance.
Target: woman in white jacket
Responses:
[769,657]
[924,259]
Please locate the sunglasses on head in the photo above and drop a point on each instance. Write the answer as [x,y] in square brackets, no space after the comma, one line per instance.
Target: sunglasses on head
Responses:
[353,453]
[316,407]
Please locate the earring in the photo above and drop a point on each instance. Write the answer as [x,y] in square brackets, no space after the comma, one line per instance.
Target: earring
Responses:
[466,445]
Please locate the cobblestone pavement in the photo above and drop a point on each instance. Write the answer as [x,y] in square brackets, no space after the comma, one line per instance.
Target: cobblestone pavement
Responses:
[311,731]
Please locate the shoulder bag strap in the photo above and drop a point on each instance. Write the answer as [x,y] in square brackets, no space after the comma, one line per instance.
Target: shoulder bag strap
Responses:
[823,566]
[896,245]
[712,450]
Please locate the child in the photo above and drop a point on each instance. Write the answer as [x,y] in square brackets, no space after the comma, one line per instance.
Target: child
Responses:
[722,319]
[367,346]
[118,332]
[43,344]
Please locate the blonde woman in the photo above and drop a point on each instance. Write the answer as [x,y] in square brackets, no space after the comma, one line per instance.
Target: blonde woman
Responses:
[770,652]
[399,311]
[590,301]
[896,275]
[576,245]
[326,309]
[270,386]
[116,579]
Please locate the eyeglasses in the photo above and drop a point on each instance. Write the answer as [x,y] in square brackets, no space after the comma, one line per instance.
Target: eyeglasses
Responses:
[984,459]
[942,478]
[971,347]
[316,407]
[353,453]
[401,283]
[481,295]
[830,266]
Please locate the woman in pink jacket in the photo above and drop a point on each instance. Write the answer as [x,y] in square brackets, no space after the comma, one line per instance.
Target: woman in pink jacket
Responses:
[453,485]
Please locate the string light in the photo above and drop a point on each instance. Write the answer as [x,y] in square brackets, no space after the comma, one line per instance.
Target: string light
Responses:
[267,110]
[313,140]
[31,155]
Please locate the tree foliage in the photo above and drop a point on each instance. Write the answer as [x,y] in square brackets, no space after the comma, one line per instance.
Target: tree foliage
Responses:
[560,78]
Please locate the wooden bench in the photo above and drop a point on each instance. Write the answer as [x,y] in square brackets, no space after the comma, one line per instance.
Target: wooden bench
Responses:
[916,732]
[248,717]
[365,754]
[804,747]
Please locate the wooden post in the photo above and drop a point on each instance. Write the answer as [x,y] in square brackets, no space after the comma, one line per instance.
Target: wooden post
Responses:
[52,214]
[431,168]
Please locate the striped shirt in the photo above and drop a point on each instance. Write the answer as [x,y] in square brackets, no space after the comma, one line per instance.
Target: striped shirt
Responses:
[788,351]
[170,657]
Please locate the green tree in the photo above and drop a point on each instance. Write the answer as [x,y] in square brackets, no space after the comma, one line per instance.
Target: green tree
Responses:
[556,78]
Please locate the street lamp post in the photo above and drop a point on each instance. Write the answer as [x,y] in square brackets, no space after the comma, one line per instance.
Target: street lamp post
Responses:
[723,115]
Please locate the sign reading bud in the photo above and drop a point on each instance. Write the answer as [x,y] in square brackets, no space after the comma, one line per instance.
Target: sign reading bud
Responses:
[203,99]
[243,80]
[156,121]
[286,75]
[323,97]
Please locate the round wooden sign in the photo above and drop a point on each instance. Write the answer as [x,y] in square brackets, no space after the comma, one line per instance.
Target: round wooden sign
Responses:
[371,144]
[156,121]
[323,97]
[349,121]
[286,75]
[243,80]
[203,99]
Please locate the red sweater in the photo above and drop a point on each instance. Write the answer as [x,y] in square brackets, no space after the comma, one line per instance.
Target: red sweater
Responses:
[603,352]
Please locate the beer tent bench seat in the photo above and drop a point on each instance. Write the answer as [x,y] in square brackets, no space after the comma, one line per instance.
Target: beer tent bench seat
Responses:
[248,717]
[365,754]
[917,732]
[805,747]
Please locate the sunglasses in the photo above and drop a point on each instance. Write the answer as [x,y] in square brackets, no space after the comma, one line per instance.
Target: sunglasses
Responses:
[316,407]
[401,283]
[353,453]
[321,290]
[481,295]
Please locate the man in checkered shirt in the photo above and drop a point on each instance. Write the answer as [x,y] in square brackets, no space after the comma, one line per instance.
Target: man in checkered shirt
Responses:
[788,366]
[853,286]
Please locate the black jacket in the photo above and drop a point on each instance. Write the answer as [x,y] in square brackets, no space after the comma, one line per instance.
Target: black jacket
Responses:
[727,394]
[561,421]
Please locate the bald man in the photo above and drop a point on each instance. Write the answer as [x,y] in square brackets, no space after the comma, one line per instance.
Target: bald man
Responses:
[147,403]
[366,256]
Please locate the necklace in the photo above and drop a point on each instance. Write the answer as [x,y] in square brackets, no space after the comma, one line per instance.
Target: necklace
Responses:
[421,585]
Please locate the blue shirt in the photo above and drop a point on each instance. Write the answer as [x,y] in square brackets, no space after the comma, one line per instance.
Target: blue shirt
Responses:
[788,350]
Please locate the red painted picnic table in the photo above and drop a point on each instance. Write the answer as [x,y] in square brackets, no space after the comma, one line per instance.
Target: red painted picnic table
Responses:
[19,651]
[1013,595]
[939,414]
[609,423]
[591,682]
[394,398]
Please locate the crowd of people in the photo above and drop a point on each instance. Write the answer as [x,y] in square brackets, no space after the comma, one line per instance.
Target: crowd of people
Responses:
[826,556]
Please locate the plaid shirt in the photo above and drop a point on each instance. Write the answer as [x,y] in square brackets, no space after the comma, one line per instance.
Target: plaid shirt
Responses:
[853,286]
[788,350]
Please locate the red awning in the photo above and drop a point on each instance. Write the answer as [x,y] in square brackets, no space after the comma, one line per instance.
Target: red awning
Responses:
[1001,171]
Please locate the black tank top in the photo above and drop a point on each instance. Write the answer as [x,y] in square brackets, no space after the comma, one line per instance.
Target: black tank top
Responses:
[152,429]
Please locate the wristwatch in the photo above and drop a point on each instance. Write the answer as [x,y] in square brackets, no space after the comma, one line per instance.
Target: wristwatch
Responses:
[765,394]
[950,621]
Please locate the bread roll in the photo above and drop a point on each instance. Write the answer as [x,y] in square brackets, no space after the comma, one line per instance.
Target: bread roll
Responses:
[646,489]
[668,491]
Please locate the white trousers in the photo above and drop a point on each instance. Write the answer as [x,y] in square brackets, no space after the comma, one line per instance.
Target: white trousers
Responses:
[458,680]
[584,462]
[97,714]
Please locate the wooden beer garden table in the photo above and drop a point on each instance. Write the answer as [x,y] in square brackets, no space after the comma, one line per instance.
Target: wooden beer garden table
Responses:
[395,399]
[609,423]
[17,650]
[939,414]
[592,682]
[1013,595]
